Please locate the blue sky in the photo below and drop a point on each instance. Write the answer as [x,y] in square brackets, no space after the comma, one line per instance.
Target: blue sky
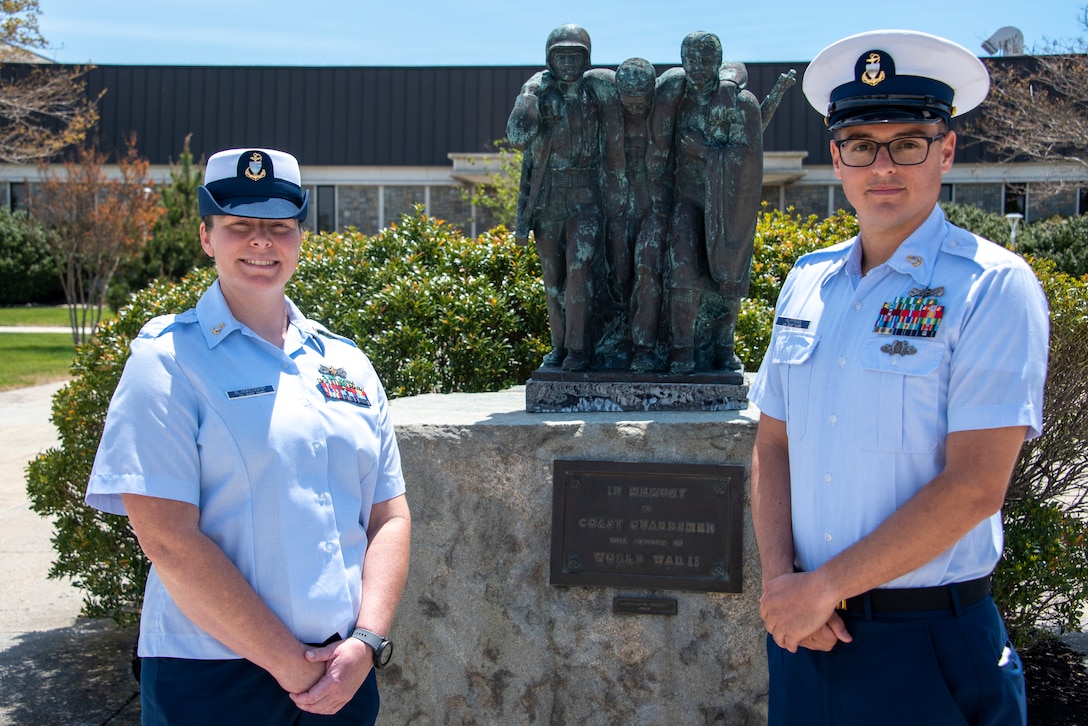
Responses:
[504,32]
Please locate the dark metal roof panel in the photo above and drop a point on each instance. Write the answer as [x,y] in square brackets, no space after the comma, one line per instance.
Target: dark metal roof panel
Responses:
[363,116]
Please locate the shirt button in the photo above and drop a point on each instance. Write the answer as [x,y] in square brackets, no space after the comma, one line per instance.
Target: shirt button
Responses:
[857,306]
[827,536]
[834,419]
[842,361]
[827,478]
[330,547]
[305,402]
[316,446]
[285,366]
[895,360]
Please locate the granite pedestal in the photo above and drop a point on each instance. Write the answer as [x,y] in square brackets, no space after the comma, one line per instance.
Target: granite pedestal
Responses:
[481,635]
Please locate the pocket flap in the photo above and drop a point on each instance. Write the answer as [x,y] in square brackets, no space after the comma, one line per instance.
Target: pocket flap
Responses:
[905,356]
[793,347]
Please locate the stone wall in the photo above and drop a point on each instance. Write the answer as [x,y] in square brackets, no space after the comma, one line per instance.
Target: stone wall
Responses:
[483,638]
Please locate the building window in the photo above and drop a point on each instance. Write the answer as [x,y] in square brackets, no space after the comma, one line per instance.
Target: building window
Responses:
[947,195]
[1082,200]
[1016,199]
[19,196]
[326,209]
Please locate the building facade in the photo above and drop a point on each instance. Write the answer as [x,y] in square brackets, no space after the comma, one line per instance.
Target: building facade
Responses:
[374,142]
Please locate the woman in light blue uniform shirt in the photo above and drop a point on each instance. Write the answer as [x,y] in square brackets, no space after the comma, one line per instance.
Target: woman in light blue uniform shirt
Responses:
[253,453]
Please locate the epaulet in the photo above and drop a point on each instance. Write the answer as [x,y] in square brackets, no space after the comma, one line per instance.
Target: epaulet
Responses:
[823,254]
[326,333]
[163,323]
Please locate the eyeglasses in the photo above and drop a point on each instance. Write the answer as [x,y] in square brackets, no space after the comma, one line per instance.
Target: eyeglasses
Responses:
[904,151]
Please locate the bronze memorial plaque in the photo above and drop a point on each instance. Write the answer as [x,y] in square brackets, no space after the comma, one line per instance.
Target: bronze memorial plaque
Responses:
[647,525]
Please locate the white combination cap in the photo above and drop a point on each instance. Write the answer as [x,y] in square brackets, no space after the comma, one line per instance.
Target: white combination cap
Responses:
[262,183]
[894,76]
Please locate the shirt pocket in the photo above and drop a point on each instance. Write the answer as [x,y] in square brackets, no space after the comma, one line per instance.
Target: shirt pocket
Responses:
[793,351]
[900,395]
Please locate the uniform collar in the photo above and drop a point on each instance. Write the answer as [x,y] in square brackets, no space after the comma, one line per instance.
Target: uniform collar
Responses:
[306,327]
[217,322]
[917,254]
[214,316]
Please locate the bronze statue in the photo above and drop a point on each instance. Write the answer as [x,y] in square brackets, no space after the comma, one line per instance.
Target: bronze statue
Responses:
[648,157]
[717,133]
[568,124]
[642,193]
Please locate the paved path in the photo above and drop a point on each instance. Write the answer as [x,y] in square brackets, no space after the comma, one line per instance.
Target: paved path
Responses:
[55,667]
[34,329]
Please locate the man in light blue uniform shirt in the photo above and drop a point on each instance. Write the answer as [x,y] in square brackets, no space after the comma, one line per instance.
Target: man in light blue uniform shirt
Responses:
[253,451]
[905,369]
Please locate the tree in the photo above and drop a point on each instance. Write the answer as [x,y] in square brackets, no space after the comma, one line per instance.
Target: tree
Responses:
[173,248]
[1037,108]
[43,107]
[95,221]
[500,195]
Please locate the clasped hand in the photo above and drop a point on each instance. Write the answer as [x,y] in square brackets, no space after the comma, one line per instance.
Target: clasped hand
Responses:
[347,664]
[799,613]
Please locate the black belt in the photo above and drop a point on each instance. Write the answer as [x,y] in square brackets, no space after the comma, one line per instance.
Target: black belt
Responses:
[916,599]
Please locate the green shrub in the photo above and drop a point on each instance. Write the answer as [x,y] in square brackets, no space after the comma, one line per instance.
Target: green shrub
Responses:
[435,311]
[781,238]
[28,273]
[1062,240]
[1041,583]
[991,225]
[173,247]
[98,551]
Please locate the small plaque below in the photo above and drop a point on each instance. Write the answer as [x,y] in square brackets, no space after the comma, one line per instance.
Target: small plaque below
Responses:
[644,606]
[647,525]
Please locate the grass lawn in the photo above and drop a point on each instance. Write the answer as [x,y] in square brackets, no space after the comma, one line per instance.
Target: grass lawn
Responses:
[30,359]
[40,315]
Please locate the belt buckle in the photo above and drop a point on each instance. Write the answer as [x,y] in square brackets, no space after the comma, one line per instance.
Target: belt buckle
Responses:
[841,605]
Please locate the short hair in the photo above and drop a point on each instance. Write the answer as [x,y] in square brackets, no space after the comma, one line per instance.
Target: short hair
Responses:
[635,77]
[701,39]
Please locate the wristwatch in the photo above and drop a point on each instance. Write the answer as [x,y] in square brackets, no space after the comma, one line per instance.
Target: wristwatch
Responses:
[382,647]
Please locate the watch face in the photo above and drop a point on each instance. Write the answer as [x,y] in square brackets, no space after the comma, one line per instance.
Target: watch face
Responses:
[383,654]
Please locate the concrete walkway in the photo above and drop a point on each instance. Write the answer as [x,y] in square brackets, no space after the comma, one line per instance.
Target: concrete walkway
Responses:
[55,667]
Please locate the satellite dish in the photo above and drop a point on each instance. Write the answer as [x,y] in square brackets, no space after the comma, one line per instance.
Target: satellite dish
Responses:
[1006,41]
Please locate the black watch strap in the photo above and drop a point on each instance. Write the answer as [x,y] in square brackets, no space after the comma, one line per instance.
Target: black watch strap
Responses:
[382,647]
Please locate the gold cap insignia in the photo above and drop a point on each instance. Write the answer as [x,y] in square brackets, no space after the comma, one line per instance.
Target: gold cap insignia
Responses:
[256,171]
[915,261]
[218,328]
[873,75]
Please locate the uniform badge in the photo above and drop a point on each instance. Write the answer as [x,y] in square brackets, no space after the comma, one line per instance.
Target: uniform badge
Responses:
[912,317]
[915,260]
[872,76]
[336,386]
[255,170]
[217,329]
[926,291]
[899,347]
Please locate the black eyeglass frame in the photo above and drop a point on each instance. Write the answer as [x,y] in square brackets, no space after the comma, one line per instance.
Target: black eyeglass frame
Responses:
[888,145]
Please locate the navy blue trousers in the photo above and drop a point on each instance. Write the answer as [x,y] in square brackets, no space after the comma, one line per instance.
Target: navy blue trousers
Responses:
[936,669]
[181,692]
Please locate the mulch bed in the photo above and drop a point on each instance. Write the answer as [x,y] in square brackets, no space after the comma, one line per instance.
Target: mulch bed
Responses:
[1057,684]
